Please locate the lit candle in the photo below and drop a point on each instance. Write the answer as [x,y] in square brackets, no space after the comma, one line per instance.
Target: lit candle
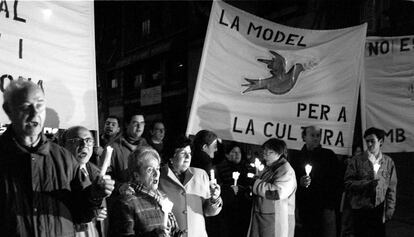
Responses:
[259,166]
[107,160]
[166,207]
[308,169]
[212,176]
[376,168]
[235,177]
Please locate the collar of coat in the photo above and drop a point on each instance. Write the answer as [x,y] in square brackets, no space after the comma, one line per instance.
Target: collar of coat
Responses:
[167,171]
[10,144]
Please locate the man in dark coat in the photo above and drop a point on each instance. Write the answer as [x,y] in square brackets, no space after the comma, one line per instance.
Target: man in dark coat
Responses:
[38,179]
[318,193]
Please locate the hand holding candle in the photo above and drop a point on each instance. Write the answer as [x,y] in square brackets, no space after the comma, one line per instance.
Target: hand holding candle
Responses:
[166,207]
[107,160]
[235,177]
[308,169]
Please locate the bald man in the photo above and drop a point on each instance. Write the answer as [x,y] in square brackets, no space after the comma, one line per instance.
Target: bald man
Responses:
[79,141]
[38,178]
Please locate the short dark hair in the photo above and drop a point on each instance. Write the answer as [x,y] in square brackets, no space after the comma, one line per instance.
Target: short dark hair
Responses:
[114,117]
[155,122]
[230,146]
[279,146]
[379,133]
[305,129]
[203,137]
[129,117]
[180,142]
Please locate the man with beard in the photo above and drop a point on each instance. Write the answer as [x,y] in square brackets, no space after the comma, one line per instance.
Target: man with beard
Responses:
[39,180]
[129,142]
[111,133]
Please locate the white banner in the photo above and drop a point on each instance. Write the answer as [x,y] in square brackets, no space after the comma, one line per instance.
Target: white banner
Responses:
[53,43]
[258,79]
[387,93]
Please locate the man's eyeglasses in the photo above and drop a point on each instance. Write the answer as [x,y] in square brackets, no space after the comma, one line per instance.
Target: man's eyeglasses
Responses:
[88,141]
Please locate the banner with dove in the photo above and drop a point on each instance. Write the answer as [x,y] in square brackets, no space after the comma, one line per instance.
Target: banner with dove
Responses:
[52,43]
[258,79]
[387,92]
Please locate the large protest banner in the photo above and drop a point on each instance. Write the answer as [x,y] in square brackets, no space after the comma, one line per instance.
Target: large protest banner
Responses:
[258,79]
[387,93]
[53,44]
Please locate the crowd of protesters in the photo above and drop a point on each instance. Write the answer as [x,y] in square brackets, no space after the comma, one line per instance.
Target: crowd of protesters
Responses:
[163,188]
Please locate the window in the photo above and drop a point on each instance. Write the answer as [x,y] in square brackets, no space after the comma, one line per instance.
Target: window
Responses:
[114,83]
[146,27]
[138,80]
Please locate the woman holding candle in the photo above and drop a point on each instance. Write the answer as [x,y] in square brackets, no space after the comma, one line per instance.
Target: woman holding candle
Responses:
[143,210]
[273,211]
[193,194]
[235,216]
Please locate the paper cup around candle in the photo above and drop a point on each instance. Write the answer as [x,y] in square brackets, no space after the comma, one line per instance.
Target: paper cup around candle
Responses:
[107,160]
[250,175]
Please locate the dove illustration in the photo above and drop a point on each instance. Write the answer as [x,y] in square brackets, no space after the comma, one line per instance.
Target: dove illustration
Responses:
[281,81]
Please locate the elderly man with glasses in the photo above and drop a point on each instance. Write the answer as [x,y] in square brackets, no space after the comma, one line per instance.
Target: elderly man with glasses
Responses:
[79,141]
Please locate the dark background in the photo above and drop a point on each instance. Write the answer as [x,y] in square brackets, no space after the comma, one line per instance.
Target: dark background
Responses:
[142,44]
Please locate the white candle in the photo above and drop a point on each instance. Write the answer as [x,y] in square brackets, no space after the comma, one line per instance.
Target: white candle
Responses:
[166,207]
[107,160]
[308,169]
[376,167]
[235,177]
[259,166]
[212,176]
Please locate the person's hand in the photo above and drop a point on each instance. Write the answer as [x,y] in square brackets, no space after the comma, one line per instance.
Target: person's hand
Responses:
[98,150]
[215,190]
[101,214]
[388,214]
[126,189]
[162,232]
[374,183]
[235,189]
[305,181]
[106,184]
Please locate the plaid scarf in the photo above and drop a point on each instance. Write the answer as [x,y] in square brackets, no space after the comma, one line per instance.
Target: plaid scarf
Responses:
[172,224]
[142,189]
